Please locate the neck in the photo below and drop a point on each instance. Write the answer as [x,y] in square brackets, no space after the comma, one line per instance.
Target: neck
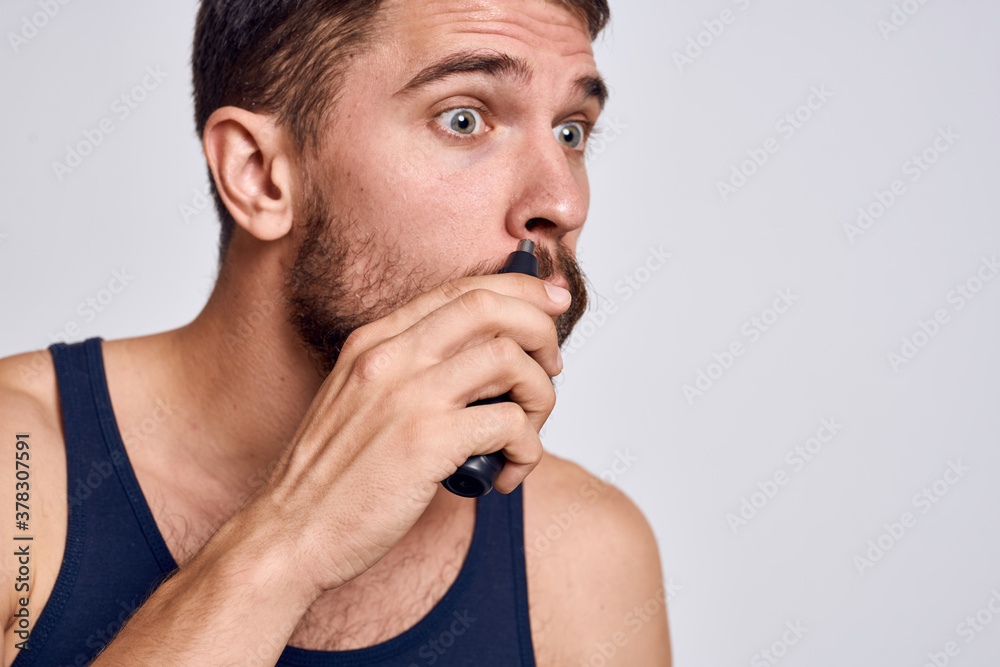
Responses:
[237,372]
[238,378]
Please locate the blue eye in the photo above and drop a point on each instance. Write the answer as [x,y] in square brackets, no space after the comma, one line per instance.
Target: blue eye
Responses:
[570,134]
[462,120]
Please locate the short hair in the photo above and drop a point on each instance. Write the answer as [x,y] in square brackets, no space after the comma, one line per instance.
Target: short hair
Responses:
[286,58]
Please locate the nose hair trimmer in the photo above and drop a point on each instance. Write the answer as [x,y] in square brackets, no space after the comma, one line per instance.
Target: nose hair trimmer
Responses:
[475,477]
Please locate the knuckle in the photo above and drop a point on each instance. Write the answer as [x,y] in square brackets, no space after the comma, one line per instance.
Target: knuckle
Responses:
[533,451]
[355,344]
[375,362]
[504,351]
[524,422]
[549,400]
[512,415]
[551,332]
[478,301]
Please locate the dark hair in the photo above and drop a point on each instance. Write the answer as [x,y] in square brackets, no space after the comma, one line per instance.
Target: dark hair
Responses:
[286,58]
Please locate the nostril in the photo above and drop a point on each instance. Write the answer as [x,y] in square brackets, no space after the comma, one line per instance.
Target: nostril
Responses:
[536,222]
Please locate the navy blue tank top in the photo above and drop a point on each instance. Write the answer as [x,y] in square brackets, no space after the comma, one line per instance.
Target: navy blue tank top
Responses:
[115,557]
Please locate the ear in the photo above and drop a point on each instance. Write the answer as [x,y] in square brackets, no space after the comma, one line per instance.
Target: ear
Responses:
[251,159]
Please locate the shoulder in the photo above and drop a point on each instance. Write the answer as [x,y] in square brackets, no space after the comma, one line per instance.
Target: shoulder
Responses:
[578,504]
[29,395]
[593,570]
[29,400]
[32,470]
[31,374]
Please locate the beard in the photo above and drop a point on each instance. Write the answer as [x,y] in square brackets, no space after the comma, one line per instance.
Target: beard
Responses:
[323,311]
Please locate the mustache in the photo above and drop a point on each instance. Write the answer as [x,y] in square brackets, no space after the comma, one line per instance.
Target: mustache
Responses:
[564,263]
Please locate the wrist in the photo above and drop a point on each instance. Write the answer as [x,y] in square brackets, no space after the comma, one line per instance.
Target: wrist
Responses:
[260,548]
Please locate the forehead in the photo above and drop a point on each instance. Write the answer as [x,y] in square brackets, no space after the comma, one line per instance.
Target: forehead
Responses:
[418,29]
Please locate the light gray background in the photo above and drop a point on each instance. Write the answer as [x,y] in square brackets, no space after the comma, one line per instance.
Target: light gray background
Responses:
[672,133]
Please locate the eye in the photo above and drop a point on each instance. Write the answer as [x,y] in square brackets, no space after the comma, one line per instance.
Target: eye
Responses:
[462,121]
[570,134]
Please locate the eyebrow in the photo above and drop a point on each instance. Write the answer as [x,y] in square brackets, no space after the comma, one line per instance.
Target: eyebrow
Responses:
[499,65]
[593,86]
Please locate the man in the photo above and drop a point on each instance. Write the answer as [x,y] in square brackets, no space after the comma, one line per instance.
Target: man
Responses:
[374,163]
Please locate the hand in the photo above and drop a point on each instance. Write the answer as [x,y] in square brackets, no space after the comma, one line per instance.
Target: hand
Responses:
[391,421]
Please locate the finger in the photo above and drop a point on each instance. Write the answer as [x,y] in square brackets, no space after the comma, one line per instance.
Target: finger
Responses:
[521,286]
[483,429]
[381,331]
[478,316]
[491,369]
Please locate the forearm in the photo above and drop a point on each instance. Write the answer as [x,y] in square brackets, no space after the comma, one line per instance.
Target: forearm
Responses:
[235,603]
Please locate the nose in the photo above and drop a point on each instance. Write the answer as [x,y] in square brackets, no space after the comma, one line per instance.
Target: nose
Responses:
[551,194]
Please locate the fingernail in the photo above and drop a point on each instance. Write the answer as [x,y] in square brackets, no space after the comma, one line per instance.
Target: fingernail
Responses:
[558,294]
[559,359]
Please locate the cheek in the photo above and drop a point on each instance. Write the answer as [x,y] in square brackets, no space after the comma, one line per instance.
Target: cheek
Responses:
[434,192]
[433,207]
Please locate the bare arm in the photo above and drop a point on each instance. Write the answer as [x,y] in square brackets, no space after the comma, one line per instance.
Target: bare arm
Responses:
[389,423]
[597,585]
[235,603]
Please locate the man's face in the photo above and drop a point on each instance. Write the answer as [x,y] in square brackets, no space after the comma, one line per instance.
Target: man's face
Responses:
[459,132]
